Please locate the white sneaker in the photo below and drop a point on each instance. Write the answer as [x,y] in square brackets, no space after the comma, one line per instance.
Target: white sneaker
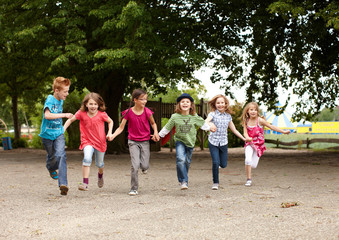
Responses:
[184,186]
[133,193]
[248,183]
[144,171]
[215,186]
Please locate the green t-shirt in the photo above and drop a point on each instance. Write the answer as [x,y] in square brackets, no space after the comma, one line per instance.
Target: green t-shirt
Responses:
[185,127]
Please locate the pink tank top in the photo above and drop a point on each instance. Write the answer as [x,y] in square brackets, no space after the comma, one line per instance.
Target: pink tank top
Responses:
[257,134]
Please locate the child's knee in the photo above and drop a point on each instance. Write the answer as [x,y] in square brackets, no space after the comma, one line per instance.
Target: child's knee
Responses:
[223,165]
[87,162]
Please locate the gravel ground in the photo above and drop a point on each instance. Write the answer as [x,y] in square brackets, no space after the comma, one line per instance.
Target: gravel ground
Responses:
[32,207]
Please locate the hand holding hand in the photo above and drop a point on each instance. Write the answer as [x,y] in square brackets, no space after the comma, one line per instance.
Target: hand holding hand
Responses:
[248,139]
[109,137]
[155,137]
[213,127]
[68,115]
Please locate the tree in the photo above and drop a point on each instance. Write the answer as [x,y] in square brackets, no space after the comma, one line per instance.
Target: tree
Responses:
[328,115]
[23,68]
[113,47]
[288,44]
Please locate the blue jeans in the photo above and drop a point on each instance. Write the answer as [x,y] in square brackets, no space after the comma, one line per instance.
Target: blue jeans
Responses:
[56,157]
[219,158]
[184,155]
[88,154]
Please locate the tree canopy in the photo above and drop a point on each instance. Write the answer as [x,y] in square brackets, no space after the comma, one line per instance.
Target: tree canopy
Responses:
[288,44]
[113,47]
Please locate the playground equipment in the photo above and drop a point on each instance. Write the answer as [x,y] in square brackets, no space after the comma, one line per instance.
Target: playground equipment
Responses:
[6,141]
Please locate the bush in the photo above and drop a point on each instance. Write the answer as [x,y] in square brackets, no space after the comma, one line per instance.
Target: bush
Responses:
[36,142]
[19,143]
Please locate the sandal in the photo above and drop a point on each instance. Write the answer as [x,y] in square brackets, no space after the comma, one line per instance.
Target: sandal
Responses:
[54,175]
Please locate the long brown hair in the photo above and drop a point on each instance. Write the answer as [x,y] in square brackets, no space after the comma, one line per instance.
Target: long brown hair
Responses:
[97,98]
[245,116]
[135,95]
[192,108]
[212,103]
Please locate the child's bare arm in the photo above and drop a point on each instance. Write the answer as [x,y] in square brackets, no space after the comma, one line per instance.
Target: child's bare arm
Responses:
[50,116]
[68,122]
[263,122]
[155,136]
[211,124]
[109,135]
[119,129]
[237,133]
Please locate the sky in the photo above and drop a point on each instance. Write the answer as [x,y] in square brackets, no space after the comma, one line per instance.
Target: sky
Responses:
[214,88]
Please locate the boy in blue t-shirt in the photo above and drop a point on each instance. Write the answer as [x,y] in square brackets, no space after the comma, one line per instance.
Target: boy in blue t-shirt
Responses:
[52,132]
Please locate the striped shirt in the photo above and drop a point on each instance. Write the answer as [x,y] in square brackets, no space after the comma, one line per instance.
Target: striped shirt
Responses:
[221,121]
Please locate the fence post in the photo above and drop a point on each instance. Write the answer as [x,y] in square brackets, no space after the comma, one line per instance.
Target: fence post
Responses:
[307,143]
[277,143]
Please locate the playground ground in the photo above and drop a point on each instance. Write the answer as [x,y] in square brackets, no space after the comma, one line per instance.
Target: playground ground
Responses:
[32,207]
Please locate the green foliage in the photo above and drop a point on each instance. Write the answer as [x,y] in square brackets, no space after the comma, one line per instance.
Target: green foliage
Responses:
[36,142]
[295,137]
[19,143]
[280,44]
[233,140]
[72,105]
[328,115]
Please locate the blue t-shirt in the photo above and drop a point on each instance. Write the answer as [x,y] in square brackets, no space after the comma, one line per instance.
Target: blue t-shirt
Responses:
[51,129]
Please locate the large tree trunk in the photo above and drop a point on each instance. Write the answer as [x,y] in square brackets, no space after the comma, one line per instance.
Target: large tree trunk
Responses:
[17,130]
[112,92]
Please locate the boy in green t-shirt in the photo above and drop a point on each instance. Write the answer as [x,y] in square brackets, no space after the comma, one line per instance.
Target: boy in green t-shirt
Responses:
[185,121]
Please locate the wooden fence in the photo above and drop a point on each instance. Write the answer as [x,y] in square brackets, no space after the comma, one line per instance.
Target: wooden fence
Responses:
[298,143]
[165,110]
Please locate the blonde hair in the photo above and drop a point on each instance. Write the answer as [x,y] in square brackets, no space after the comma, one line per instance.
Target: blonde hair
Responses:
[60,82]
[192,108]
[97,98]
[245,116]
[212,103]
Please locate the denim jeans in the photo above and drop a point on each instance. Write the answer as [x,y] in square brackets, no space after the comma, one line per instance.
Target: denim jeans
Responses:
[88,154]
[56,157]
[184,155]
[219,158]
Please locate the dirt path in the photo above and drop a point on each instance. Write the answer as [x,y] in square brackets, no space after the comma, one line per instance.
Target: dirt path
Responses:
[32,208]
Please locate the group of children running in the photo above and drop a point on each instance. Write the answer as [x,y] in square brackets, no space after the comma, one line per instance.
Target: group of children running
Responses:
[92,117]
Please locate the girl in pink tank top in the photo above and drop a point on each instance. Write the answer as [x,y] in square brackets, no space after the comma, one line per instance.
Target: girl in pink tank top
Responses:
[254,129]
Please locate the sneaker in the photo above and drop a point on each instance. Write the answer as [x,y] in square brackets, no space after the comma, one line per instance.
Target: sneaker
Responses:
[184,186]
[83,187]
[100,182]
[248,183]
[144,171]
[133,192]
[215,186]
[63,189]
[54,174]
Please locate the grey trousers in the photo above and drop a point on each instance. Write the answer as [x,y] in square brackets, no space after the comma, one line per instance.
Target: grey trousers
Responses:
[140,153]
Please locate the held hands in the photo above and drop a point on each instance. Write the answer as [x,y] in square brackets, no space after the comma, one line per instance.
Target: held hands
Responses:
[248,139]
[68,115]
[109,137]
[213,127]
[155,137]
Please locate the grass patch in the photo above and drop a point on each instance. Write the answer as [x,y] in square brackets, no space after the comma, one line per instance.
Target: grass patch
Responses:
[296,137]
